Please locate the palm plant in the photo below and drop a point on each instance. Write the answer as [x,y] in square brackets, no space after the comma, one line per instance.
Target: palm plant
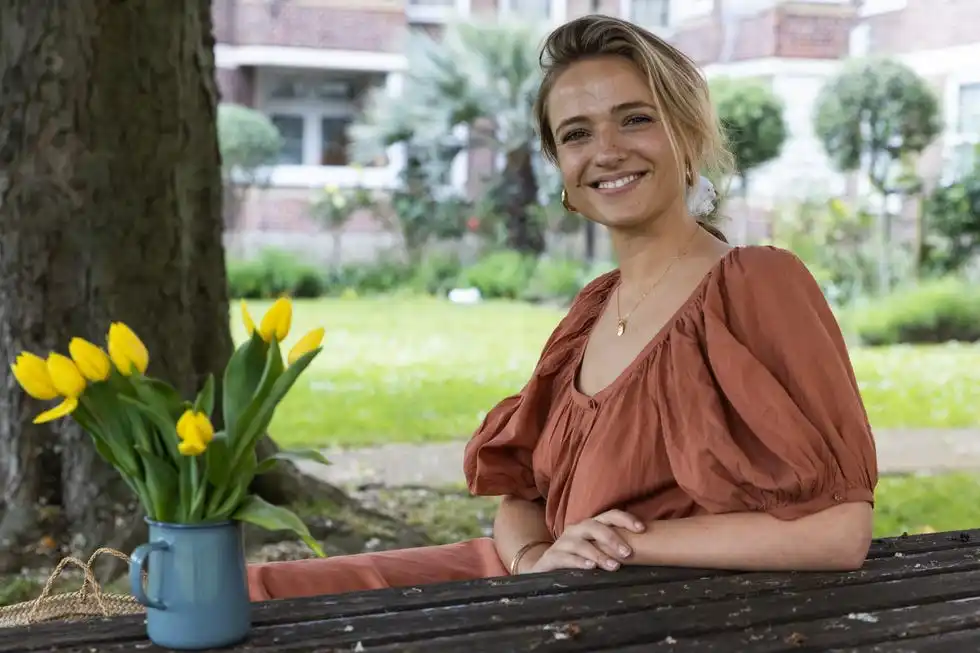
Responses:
[480,76]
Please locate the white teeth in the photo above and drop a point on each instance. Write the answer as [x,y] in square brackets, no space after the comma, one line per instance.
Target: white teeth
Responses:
[618,183]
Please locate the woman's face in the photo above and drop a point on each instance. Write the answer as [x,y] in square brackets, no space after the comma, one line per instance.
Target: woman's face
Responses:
[615,158]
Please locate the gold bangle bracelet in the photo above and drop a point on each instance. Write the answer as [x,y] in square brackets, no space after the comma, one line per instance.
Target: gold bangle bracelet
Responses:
[521,552]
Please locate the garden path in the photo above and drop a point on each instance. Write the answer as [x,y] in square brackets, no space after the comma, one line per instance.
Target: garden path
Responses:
[439,464]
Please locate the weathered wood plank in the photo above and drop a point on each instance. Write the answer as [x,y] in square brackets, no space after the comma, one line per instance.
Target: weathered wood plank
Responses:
[889,560]
[619,617]
[851,629]
[907,544]
[962,642]
[615,631]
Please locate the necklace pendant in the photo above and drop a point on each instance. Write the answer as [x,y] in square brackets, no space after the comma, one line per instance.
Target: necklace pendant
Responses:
[620,327]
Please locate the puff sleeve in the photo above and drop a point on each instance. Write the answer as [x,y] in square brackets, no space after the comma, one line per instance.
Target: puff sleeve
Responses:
[792,437]
[498,458]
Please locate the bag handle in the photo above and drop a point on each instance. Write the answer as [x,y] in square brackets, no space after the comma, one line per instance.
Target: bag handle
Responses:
[88,584]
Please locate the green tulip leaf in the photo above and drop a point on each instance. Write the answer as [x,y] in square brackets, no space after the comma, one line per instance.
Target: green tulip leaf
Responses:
[205,398]
[263,514]
[242,376]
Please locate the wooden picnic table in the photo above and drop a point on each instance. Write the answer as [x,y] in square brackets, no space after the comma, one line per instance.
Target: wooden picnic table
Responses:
[915,593]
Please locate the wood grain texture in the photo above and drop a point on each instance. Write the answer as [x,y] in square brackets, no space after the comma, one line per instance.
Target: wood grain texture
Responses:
[914,593]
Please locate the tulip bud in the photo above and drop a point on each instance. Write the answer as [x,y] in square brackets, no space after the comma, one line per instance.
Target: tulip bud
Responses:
[92,362]
[305,345]
[65,376]
[195,432]
[277,320]
[247,319]
[126,350]
[32,374]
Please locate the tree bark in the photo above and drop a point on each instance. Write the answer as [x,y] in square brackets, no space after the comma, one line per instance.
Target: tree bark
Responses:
[110,210]
[520,190]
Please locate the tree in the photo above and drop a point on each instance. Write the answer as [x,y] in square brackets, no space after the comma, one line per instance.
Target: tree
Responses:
[752,117]
[110,209]
[250,144]
[875,117]
[952,221]
[479,76]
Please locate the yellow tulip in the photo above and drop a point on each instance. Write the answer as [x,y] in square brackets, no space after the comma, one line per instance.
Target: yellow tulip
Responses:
[126,350]
[277,320]
[65,376]
[32,374]
[195,432]
[191,447]
[305,345]
[247,319]
[92,362]
[66,407]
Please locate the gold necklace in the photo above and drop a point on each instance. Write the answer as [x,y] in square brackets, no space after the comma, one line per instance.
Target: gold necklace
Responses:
[623,319]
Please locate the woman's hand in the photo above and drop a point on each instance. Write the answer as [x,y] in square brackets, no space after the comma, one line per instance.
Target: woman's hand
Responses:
[591,543]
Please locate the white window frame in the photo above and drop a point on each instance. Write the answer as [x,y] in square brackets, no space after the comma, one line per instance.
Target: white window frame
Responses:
[626,11]
[953,138]
[437,14]
[310,174]
[557,10]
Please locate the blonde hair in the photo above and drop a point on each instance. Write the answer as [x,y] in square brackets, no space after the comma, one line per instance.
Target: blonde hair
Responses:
[680,91]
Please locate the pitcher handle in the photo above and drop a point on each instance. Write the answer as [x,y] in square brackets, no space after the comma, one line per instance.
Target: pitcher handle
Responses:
[137,562]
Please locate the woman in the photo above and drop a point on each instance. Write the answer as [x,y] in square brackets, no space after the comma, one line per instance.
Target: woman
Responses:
[695,407]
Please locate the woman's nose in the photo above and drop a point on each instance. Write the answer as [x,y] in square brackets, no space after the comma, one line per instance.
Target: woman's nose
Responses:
[610,147]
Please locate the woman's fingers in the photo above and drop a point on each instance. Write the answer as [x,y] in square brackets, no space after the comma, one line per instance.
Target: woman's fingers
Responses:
[606,538]
[559,558]
[582,544]
[621,519]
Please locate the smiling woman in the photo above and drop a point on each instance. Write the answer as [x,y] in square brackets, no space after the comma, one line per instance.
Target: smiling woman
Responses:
[714,423]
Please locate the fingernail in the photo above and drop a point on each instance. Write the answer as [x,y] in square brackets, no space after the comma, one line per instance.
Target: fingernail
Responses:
[638,526]
[624,551]
[588,564]
[611,564]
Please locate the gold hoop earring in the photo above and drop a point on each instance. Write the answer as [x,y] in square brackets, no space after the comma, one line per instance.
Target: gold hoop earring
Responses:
[690,176]
[564,202]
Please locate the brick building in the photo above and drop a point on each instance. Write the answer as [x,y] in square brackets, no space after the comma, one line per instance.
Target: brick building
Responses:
[306,63]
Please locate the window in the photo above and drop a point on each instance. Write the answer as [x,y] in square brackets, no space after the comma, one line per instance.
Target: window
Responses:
[292,129]
[650,13]
[968,123]
[333,141]
[966,128]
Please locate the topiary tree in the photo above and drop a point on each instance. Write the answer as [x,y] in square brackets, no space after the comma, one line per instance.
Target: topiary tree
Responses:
[874,117]
[249,144]
[752,116]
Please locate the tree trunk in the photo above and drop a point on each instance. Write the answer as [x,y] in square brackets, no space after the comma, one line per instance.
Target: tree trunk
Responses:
[519,191]
[110,210]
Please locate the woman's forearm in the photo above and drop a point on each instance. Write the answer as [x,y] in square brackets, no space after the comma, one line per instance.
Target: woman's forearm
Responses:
[518,523]
[834,539]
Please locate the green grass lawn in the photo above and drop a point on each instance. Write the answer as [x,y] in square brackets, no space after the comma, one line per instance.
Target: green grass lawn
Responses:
[417,369]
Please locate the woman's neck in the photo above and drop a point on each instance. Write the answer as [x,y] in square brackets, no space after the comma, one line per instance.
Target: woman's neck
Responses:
[643,254]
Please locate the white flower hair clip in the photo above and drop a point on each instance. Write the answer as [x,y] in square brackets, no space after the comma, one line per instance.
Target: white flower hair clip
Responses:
[701,197]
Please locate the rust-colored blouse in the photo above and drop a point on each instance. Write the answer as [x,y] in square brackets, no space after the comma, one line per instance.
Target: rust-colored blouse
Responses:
[745,401]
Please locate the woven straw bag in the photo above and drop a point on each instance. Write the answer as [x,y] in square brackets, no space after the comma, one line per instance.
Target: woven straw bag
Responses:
[88,602]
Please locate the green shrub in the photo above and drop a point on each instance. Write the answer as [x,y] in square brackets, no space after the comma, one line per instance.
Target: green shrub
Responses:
[501,275]
[378,277]
[933,311]
[555,279]
[272,274]
[436,273]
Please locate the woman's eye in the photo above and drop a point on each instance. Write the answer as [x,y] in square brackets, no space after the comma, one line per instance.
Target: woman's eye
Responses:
[635,120]
[575,134]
